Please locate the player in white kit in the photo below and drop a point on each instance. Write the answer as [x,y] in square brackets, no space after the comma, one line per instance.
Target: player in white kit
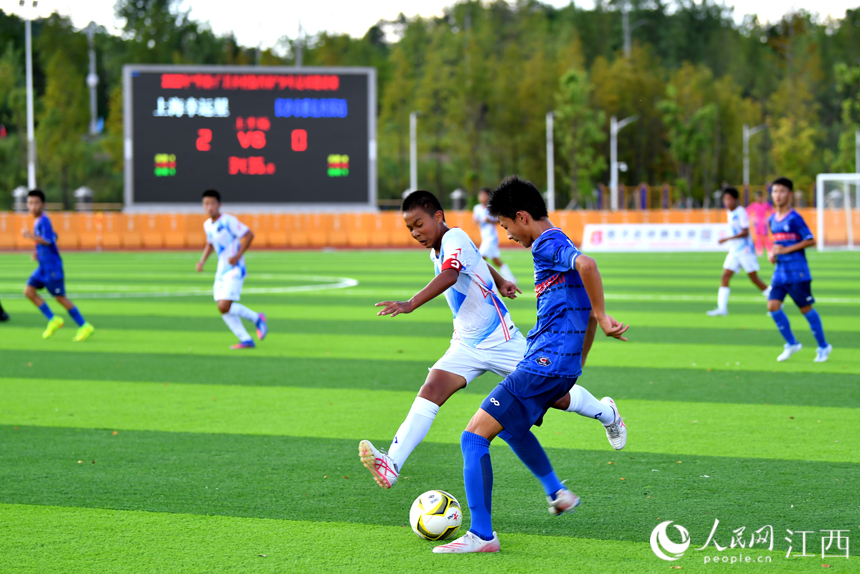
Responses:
[230,238]
[485,338]
[490,234]
[741,252]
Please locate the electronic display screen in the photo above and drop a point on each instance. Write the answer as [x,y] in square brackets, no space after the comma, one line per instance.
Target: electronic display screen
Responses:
[288,136]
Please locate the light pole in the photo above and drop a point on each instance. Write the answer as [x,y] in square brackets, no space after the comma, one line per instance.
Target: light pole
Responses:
[748,133]
[550,162]
[628,29]
[413,150]
[93,80]
[31,137]
[614,127]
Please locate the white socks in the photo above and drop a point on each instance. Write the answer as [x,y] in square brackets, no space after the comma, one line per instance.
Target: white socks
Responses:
[505,272]
[235,323]
[413,430]
[244,312]
[583,403]
[723,299]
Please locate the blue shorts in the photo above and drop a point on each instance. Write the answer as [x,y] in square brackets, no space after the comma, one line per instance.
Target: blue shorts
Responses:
[51,280]
[800,292]
[520,401]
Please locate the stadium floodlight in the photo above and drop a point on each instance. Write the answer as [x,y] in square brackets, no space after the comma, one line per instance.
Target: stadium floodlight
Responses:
[413,150]
[614,127]
[550,162]
[749,133]
[838,221]
[92,79]
[31,137]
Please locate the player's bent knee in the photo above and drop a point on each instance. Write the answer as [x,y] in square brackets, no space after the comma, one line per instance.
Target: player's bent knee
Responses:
[438,388]
[563,403]
[773,305]
[224,306]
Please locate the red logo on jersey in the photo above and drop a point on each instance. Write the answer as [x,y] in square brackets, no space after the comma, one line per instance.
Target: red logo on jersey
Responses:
[554,280]
[452,262]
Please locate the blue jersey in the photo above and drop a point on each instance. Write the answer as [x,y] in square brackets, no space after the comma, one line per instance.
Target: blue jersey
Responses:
[48,255]
[563,308]
[790,267]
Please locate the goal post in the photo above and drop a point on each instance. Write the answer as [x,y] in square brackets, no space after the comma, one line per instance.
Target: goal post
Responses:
[837,196]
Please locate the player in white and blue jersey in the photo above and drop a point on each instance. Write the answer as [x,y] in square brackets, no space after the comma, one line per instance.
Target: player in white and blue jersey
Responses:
[489,234]
[741,252]
[485,338]
[569,292]
[791,237]
[49,275]
[229,238]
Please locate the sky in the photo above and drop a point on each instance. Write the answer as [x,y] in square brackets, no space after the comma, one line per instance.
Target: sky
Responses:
[264,22]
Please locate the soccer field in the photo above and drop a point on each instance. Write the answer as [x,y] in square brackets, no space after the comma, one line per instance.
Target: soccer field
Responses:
[151,447]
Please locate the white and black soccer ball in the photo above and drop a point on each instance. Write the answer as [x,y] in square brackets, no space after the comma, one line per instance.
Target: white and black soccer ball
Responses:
[435,515]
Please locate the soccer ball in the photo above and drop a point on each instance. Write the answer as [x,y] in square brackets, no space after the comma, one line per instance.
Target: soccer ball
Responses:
[435,515]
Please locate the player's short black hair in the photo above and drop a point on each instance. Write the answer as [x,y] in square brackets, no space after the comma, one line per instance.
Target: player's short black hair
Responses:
[784,181]
[212,193]
[37,193]
[422,200]
[731,191]
[515,194]
[487,189]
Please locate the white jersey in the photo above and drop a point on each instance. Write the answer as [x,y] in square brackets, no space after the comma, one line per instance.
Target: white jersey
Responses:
[224,234]
[481,320]
[488,228]
[739,221]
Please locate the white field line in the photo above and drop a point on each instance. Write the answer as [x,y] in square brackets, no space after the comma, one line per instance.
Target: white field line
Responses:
[326,283]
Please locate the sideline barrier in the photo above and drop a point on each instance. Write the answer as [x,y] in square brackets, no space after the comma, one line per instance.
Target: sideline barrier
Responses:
[108,230]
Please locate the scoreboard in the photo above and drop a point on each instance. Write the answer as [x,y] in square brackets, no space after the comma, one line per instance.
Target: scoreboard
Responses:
[267,138]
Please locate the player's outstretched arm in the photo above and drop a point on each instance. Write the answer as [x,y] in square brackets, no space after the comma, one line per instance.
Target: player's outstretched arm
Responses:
[207,251]
[507,288]
[744,233]
[27,234]
[244,244]
[587,268]
[439,285]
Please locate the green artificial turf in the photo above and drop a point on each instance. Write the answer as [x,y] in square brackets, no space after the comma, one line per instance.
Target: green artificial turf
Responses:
[151,447]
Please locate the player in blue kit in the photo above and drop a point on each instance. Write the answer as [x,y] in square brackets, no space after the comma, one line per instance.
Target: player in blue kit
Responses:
[49,274]
[569,290]
[791,276]
[229,238]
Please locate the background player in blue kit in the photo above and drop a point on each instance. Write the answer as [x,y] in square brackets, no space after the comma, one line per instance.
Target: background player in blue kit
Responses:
[569,289]
[791,276]
[49,274]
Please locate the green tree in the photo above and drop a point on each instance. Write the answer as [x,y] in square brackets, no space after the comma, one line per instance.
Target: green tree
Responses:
[580,130]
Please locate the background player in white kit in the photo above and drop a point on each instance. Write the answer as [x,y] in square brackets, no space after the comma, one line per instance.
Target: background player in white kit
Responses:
[485,338]
[230,238]
[490,234]
[741,252]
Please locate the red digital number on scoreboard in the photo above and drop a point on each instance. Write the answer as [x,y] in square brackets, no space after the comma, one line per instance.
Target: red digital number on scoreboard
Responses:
[299,140]
[204,138]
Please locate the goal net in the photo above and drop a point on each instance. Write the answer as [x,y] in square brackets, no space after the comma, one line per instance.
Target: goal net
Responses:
[837,201]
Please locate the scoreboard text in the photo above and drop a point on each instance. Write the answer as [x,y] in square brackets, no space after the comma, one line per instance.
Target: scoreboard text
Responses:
[288,136]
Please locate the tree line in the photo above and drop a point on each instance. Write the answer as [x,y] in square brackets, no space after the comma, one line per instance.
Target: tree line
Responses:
[483,75]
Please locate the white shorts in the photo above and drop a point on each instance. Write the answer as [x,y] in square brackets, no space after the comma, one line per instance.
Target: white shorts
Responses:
[735,261]
[489,249]
[471,363]
[228,287]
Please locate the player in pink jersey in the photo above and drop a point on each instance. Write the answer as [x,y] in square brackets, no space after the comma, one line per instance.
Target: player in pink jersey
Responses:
[759,212]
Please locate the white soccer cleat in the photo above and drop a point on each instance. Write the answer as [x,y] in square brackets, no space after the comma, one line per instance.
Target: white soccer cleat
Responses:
[565,501]
[789,350]
[469,543]
[378,463]
[716,313]
[821,353]
[616,432]
[766,292]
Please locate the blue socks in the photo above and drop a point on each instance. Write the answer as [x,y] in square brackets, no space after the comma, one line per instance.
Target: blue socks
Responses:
[46,311]
[533,456]
[76,315]
[817,329]
[784,326]
[478,476]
